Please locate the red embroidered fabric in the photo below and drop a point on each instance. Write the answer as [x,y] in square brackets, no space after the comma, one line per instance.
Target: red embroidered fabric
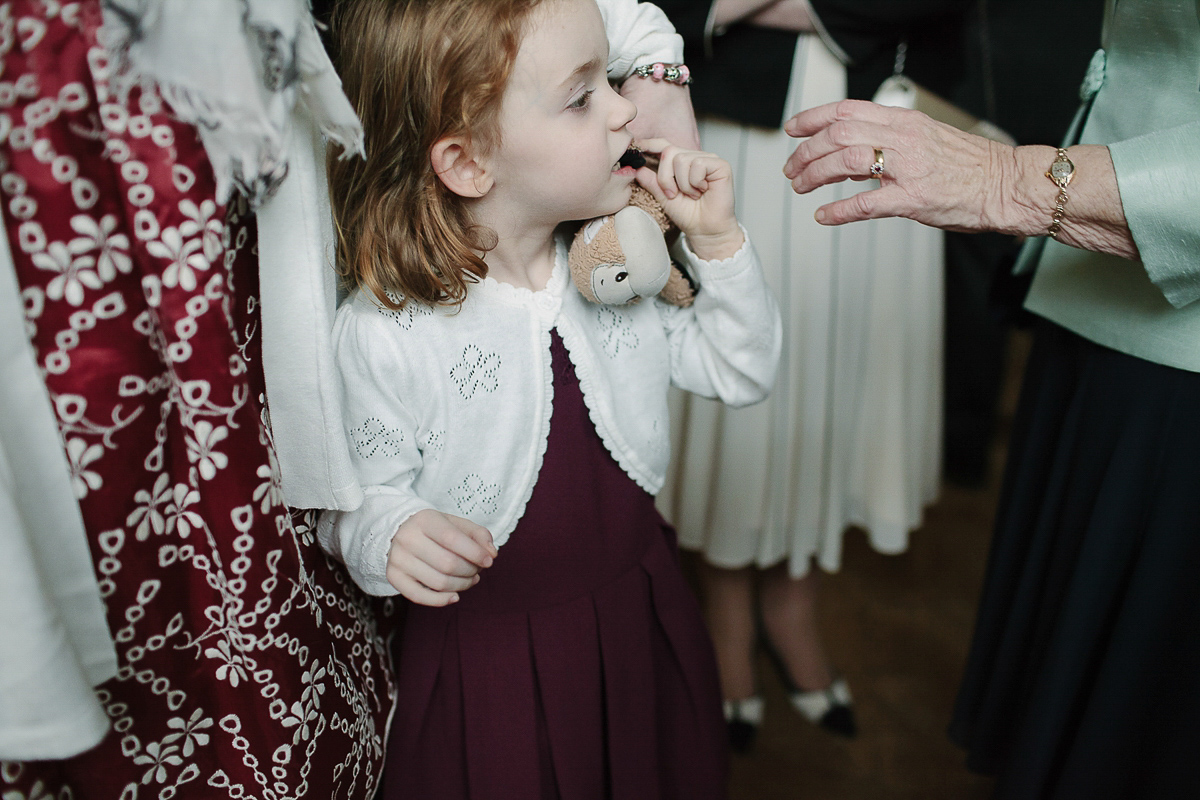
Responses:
[250,666]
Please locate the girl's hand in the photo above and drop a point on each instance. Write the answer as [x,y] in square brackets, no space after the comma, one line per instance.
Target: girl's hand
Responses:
[696,191]
[434,556]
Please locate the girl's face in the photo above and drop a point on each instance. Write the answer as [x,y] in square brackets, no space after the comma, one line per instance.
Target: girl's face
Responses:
[562,126]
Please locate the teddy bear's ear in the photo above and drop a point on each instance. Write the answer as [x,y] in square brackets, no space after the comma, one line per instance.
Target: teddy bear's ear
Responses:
[458,168]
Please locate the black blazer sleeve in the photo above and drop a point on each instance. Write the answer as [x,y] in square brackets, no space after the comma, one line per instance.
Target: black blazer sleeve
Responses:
[869,31]
[744,76]
[862,27]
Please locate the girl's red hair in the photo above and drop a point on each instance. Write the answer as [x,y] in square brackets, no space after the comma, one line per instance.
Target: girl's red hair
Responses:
[416,72]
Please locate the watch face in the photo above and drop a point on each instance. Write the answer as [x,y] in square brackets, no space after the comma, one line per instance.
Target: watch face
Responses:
[1061,170]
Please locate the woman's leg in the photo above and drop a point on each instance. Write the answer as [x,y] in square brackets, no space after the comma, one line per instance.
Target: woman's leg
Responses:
[729,609]
[789,614]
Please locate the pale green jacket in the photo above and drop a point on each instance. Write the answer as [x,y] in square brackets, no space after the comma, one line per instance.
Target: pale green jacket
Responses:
[1147,110]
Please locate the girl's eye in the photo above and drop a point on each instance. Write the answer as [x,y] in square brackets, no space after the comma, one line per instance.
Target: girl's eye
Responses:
[583,101]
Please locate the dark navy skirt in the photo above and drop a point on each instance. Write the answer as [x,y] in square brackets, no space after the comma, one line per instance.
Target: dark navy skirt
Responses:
[579,667]
[1084,674]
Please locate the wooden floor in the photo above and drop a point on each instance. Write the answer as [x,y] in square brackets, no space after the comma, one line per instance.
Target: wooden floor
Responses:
[898,628]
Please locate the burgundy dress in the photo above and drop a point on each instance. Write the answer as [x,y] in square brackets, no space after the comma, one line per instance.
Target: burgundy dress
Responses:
[579,667]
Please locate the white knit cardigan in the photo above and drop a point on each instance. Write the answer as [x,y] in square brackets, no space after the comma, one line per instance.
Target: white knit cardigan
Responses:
[296,243]
[451,409]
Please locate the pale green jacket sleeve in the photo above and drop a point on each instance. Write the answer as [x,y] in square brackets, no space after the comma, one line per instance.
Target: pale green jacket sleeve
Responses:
[1160,191]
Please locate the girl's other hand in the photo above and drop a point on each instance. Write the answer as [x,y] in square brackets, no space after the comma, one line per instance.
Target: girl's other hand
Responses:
[696,190]
[434,556]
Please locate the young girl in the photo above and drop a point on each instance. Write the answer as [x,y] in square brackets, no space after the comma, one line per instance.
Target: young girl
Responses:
[508,434]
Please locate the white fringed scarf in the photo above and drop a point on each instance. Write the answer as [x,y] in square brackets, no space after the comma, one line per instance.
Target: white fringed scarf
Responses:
[237,70]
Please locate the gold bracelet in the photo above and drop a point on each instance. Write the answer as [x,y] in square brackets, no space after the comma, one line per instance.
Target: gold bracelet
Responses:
[1060,173]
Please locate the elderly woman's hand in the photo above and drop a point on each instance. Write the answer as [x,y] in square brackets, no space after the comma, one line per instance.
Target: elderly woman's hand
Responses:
[949,179]
[931,172]
[664,112]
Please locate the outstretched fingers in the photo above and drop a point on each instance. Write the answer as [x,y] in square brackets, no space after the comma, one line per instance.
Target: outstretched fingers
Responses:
[818,118]
[853,163]
[860,137]
[928,171]
[887,201]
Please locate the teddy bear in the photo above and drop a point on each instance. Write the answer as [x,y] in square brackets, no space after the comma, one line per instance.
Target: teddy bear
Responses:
[622,257]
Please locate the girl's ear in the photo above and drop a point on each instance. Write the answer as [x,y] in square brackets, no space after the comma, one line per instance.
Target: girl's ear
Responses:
[460,171]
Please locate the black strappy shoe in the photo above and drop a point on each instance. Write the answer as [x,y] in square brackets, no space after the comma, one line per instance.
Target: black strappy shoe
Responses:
[832,708]
[742,720]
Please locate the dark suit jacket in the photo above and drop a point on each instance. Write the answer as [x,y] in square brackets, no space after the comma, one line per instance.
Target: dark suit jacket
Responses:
[999,59]
[1002,60]
[869,31]
[745,76]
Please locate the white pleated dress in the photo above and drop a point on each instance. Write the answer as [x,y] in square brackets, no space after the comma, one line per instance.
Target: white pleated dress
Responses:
[851,435]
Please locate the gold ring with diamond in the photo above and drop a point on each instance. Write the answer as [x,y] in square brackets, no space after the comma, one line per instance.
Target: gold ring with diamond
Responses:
[877,167]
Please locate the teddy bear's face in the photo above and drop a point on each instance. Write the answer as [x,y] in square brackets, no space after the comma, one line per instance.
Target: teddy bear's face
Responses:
[611,285]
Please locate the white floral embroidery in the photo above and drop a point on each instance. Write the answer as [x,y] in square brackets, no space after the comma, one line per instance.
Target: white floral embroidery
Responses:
[79,455]
[200,220]
[474,495]
[232,669]
[179,518]
[407,316]
[616,333]
[147,516]
[476,371]
[201,448]
[75,272]
[113,247]
[183,256]
[374,438]
[159,758]
[299,718]
[433,444]
[313,689]
[190,730]
[269,493]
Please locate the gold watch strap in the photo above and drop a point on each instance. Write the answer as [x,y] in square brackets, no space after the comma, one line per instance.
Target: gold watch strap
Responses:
[1061,172]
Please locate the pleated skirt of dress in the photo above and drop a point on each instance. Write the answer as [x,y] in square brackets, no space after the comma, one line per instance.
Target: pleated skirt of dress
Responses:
[851,434]
[1084,674]
[579,667]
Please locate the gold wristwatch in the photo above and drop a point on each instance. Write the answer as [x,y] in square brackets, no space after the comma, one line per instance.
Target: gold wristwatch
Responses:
[1060,173]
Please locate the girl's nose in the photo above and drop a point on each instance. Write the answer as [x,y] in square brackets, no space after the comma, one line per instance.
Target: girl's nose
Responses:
[624,113]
